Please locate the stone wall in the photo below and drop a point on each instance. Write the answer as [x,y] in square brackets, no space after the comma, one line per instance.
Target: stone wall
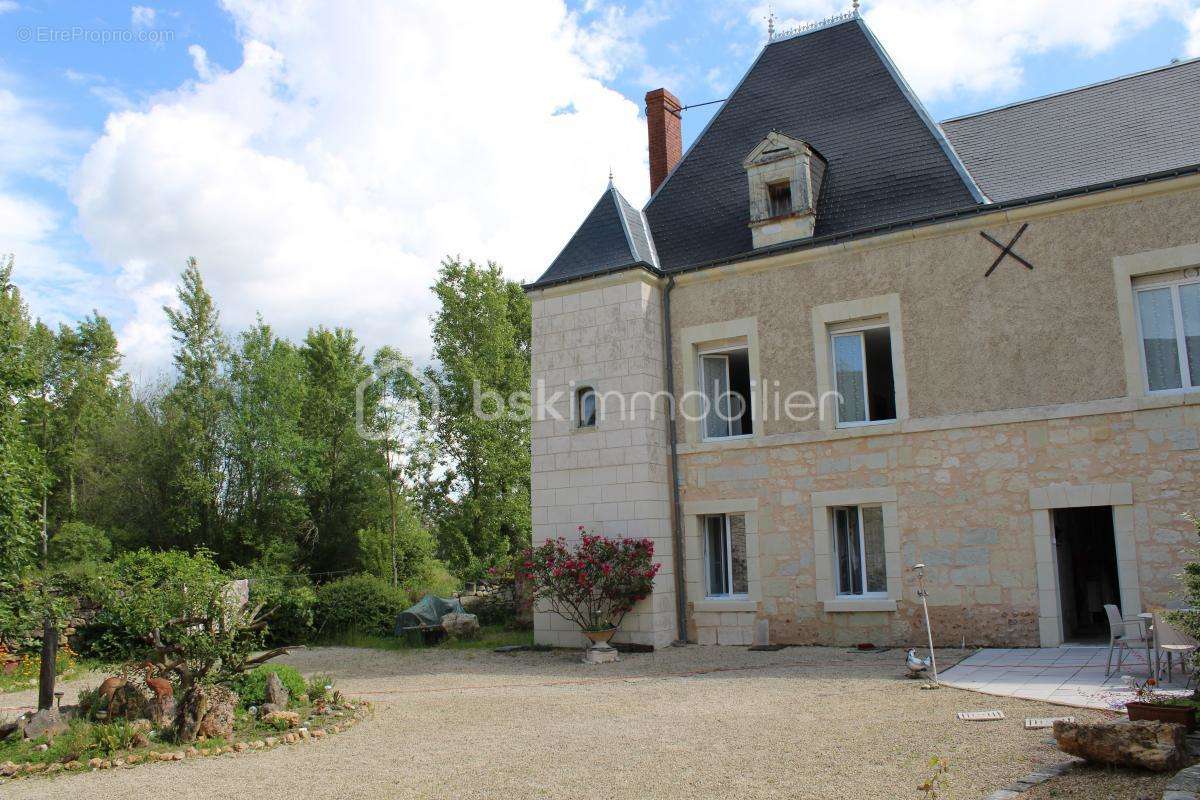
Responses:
[964,509]
[612,479]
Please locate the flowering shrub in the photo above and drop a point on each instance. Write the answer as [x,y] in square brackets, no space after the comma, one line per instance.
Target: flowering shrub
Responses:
[593,583]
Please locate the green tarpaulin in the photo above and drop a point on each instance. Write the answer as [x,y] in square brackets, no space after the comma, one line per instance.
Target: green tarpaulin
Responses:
[429,611]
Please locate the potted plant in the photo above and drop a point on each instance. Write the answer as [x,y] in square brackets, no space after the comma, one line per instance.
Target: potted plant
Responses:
[593,583]
[1152,706]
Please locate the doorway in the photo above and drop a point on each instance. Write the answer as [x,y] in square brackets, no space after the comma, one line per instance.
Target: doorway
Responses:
[1086,550]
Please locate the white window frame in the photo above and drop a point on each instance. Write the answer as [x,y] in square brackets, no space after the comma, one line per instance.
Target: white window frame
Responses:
[580,392]
[724,351]
[727,535]
[824,555]
[1189,382]
[862,552]
[859,329]
[847,315]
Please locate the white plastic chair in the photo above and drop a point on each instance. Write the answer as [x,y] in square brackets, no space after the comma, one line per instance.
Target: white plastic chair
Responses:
[1170,641]
[1121,637]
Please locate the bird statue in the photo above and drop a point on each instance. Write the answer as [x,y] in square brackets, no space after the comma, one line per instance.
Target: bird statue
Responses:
[917,667]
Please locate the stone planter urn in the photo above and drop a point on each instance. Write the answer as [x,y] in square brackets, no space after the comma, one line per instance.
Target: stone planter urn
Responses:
[600,651]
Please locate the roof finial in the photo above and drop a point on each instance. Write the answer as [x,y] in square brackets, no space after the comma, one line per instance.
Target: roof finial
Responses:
[610,177]
[770,22]
[854,6]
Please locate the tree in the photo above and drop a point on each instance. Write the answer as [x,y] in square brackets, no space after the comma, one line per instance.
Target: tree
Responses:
[181,605]
[197,405]
[341,480]
[481,339]
[265,448]
[22,473]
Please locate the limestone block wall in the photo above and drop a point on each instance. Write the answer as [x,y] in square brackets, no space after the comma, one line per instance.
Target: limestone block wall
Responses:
[971,504]
[613,478]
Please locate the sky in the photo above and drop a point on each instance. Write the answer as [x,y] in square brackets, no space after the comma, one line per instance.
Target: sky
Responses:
[320,158]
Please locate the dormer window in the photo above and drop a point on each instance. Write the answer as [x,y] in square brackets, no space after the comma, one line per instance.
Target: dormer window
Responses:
[780,197]
[784,176]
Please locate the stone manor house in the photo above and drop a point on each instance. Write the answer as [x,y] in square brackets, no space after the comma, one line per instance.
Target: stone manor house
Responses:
[973,345]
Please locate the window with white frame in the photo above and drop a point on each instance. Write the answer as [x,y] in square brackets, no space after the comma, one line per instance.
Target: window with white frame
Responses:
[585,407]
[725,555]
[725,385]
[863,375]
[1169,325]
[859,550]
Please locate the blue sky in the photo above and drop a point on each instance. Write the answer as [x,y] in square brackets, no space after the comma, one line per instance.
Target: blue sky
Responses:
[320,162]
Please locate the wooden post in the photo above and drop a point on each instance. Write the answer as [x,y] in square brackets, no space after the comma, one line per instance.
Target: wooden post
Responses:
[49,659]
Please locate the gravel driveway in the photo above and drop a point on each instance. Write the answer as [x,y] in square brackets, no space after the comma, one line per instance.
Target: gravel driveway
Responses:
[684,722]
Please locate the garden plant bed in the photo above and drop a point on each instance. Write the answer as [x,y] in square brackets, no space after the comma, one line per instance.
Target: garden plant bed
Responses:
[82,748]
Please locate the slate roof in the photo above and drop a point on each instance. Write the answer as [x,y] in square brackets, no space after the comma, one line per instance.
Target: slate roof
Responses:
[835,89]
[613,236]
[1130,126]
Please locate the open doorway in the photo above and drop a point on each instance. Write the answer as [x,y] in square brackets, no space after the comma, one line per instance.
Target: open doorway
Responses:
[1087,571]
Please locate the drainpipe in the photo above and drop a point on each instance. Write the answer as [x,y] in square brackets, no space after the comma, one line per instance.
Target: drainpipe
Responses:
[676,512]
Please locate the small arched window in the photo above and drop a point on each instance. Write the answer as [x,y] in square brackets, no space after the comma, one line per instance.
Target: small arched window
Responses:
[585,407]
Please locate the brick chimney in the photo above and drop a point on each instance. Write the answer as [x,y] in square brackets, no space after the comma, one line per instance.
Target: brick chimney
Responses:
[664,133]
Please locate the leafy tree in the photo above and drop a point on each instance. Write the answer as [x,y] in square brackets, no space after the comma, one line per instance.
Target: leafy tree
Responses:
[197,405]
[341,475]
[181,606]
[78,542]
[481,339]
[266,447]
[22,474]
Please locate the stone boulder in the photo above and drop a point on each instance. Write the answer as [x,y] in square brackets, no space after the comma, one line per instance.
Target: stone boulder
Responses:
[218,716]
[460,626]
[1157,746]
[47,722]
[277,693]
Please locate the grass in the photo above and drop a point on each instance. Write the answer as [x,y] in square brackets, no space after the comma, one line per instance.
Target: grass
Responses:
[490,637]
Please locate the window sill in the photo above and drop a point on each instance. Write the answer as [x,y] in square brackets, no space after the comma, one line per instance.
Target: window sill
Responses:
[710,604]
[868,424]
[847,605]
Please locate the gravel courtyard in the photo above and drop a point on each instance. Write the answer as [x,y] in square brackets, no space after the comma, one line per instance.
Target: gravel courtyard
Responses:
[685,722]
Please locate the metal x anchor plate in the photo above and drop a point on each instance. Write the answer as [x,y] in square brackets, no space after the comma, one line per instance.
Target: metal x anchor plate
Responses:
[1006,250]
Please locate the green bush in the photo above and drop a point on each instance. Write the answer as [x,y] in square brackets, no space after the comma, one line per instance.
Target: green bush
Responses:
[290,601]
[362,603]
[78,542]
[251,687]
[320,686]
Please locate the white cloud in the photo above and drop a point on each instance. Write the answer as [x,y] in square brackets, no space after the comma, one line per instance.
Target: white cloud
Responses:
[322,180]
[944,47]
[142,17]
[8,5]
[1192,47]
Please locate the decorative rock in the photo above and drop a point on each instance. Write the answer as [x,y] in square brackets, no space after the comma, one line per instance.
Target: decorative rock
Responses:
[1186,783]
[140,740]
[241,747]
[270,741]
[134,758]
[41,748]
[601,654]
[95,763]
[291,738]
[303,733]
[258,744]
[1157,746]
[277,693]
[75,765]
[460,626]
[192,752]
[46,722]
[318,733]
[218,719]
[8,769]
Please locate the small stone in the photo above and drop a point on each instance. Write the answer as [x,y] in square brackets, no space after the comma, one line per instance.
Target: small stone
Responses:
[257,744]
[303,733]
[271,741]
[241,747]
[120,762]
[178,756]
[35,767]
[55,767]
[133,759]
[318,733]
[192,752]
[41,748]
[290,718]
[276,693]
[291,738]
[75,765]
[106,764]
